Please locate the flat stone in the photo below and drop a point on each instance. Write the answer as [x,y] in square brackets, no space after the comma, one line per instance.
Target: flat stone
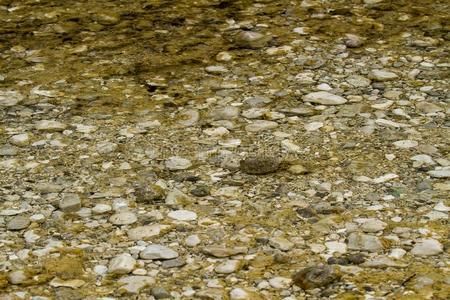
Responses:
[324,98]
[22,139]
[216,69]
[146,232]
[123,218]
[176,196]
[225,113]
[229,266]
[8,150]
[122,264]
[71,283]
[173,263]
[405,144]
[160,293]
[101,208]
[18,223]
[252,40]
[382,75]
[442,173]
[364,242]
[188,117]
[358,81]
[261,125]
[280,282]
[157,251]
[335,246]
[427,247]
[134,284]
[70,202]
[182,215]
[397,253]
[50,126]
[17,277]
[106,147]
[175,163]
[281,243]
[239,294]
[10,98]
[221,251]
[192,240]
[373,225]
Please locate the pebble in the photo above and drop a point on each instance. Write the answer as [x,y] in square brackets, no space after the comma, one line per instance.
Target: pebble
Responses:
[50,126]
[364,242]
[280,282]
[192,240]
[397,253]
[313,126]
[17,277]
[182,215]
[324,98]
[122,264]
[372,225]
[382,75]
[358,81]
[101,208]
[123,218]
[221,251]
[18,223]
[10,98]
[134,284]
[216,69]
[70,202]
[353,40]
[281,243]
[250,39]
[427,247]
[336,247]
[22,139]
[229,266]
[405,144]
[239,294]
[8,150]
[259,165]
[106,147]
[146,232]
[157,251]
[160,293]
[261,125]
[442,173]
[175,163]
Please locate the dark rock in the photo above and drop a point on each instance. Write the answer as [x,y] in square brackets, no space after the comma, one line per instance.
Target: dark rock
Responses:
[149,193]
[173,263]
[259,165]
[315,277]
[200,191]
